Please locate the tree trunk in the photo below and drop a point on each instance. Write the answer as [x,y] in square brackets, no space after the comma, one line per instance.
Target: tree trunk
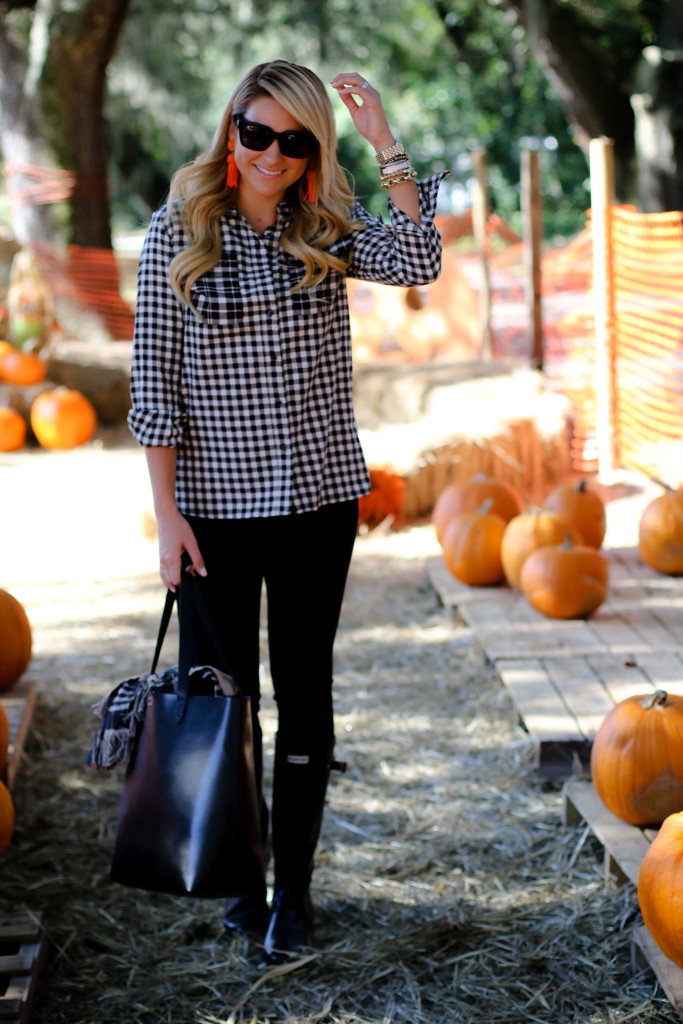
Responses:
[80,52]
[22,144]
[595,105]
[658,106]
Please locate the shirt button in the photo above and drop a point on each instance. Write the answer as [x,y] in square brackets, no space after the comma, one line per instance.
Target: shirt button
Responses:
[270,312]
[283,447]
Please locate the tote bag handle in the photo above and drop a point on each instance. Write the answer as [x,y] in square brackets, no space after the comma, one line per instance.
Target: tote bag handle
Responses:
[184,667]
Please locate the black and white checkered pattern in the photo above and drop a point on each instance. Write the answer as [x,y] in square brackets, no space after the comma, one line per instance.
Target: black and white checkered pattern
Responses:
[261,410]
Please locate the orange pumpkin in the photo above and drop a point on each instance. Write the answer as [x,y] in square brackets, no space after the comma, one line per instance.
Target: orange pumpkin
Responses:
[471,546]
[15,640]
[468,496]
[660,888]
[565,581]
[63,419]
[12,430]
[660,533]
[4,738]
[583,509]
[6,818]
[637,758]
[527,532]
[22,368]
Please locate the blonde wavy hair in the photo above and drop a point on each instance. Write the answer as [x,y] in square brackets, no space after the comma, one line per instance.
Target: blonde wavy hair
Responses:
[200,194]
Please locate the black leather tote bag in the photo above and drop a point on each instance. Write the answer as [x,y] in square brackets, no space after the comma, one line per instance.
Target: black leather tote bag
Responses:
[189,814]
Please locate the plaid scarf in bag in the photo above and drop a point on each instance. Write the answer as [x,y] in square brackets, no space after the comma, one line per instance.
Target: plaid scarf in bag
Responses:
[123,710]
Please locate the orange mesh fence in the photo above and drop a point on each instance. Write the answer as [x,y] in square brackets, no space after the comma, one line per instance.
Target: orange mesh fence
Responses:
[88,278]
[647,252]
[647,360]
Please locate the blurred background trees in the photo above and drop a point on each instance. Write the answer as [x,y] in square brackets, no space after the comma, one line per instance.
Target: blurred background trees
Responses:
[454,74]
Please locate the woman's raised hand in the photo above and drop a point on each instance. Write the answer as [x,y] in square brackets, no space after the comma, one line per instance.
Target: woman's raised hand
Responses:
[365,106]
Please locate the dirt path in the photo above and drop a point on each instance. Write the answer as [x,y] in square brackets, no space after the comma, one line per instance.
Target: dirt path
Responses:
[447,888]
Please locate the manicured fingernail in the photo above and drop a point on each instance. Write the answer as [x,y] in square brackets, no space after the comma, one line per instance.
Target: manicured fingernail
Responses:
[202,571]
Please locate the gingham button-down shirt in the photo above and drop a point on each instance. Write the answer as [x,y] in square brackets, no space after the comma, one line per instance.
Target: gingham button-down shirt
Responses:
[256,393]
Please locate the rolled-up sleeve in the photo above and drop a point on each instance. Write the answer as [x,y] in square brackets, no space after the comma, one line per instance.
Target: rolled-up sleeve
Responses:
[403,252]
[157,417]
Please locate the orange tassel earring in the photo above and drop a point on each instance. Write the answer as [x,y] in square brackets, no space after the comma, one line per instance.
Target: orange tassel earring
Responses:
[310,191]
[233,174]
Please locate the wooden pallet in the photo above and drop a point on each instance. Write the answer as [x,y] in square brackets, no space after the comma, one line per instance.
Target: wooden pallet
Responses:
[23,948]
[565,675]
[625,846]
[19,703]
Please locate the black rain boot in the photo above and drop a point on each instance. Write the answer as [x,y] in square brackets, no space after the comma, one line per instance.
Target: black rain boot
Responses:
[250,913]
[299,786]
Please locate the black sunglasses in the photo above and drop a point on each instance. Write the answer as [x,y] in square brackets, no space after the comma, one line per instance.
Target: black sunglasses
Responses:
[259,137]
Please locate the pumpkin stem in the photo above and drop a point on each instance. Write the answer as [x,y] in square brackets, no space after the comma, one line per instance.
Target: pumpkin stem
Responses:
[656,700]
[484,507]
[567,544]
[661,483]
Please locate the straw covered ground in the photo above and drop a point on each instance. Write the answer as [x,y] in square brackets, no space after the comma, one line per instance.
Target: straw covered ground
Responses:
[447,888]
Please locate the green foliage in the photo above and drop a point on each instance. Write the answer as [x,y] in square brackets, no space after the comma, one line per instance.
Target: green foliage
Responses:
[453,76]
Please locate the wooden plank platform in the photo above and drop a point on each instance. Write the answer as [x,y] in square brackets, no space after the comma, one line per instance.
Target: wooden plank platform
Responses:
[19,702]
[625,846]
[23,948]
[565,675]
[646,953]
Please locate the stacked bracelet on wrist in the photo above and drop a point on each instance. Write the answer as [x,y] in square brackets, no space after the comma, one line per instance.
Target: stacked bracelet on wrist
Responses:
[394,165]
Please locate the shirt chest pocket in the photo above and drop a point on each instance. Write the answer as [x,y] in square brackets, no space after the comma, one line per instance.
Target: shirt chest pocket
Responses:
[218,295]
[307,302]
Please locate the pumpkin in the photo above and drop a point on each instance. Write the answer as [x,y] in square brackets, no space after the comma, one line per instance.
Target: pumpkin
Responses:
[525,533]
[385,498]
[583,509]
[468,496]
[6,818]
[63,419]
[660,533]
[15,640]
[471,546]
[660,888]
[637,758]
[12,430]
[22,368]
[565,581]
[4,738]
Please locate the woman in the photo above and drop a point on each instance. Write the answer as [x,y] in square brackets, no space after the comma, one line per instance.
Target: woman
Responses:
[241,392]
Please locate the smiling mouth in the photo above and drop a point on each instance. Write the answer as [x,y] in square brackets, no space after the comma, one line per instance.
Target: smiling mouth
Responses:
[269,174]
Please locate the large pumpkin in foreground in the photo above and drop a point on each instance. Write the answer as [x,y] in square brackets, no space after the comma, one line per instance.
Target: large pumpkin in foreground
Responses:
[564,581]
[660,533]
[637,758]
[63,419]
[660,888]
[470,495]
[537,528]
[583,509]
[15,640]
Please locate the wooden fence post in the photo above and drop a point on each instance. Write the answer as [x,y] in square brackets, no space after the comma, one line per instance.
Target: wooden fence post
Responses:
[601,154]
[480,216]
[533,233]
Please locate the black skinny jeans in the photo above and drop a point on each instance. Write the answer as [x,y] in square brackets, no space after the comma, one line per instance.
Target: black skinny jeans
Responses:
[304,560]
